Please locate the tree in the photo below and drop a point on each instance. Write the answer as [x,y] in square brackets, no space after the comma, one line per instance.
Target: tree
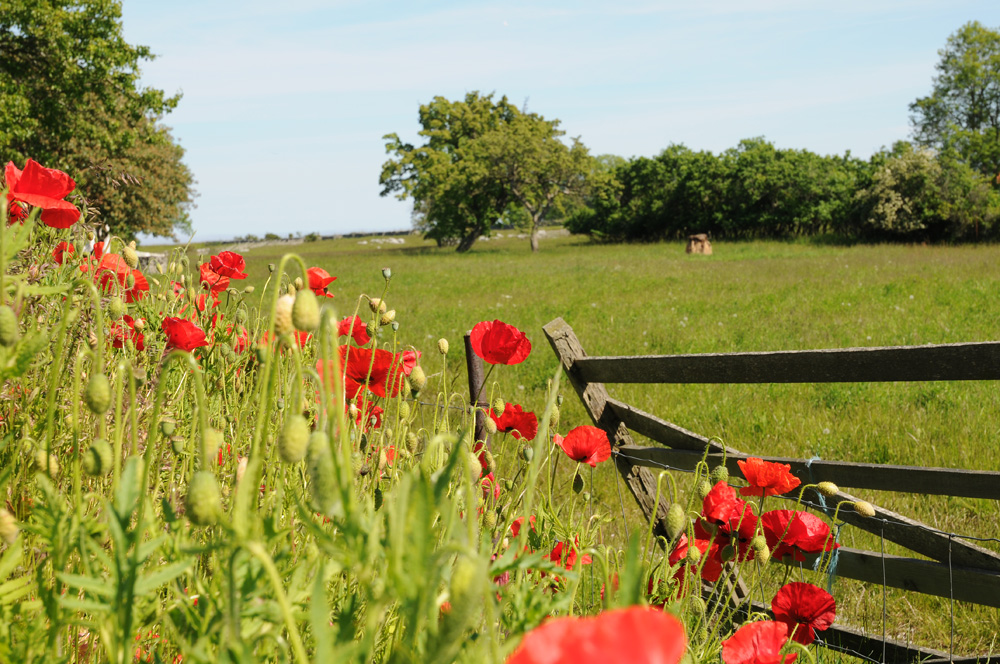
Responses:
[962,113]
[525,153]
[481,157]
[70,99]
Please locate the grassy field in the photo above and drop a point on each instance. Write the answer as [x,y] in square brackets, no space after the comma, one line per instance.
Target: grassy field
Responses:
[754,296]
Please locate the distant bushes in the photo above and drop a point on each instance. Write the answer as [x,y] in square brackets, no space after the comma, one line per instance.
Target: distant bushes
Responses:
[758,191]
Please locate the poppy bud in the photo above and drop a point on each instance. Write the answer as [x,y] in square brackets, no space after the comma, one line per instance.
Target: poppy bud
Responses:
[261,353]
[762,555]
[270,267]
[371,328]
[490,425]
[248,290]
[864,508]
[377,306]
[404,410]
[696,607]
[203,501]
[527,452]
[46,463]
[8,326]
[319,463]
[577,481]
[704,488]
[305,311]
[212,440]
[299,285]
[386,273]
[116,308]
[508,484]
[293,439]
[728,553]
[466,582]
[693,554]
[283,317]
[377,496]
[719,474]
[8,527]
[140,325]
[99,458]
[828,489]
[676,520]
[473,467]
[412,442]
[418,379]
[387,317]
[97,394]
[443,346]
[498,407]
[130,256]
[491,463]
[554,417]
[489,520]
[395,326]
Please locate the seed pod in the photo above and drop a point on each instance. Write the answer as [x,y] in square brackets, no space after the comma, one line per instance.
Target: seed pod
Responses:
[443,346]
[728,553]
[305,311]
[418,379]
[577,481]
[8,326]
[293,439]
[676,520]
[283,318]
[97,394]
[8,527]
[395,326]
[130,256]
[719,474]
[99,458]
[527,452]
[319,464]
[116,308]
[386,273]
[864,508]
[377,306]
[203,502]
[828,489]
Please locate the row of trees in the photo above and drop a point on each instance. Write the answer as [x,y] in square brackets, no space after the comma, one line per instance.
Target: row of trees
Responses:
[756,190]
[485,163]
[70,98]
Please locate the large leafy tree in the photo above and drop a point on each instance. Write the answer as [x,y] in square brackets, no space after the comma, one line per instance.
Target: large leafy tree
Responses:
[70,98]
[962,113]
[479,159]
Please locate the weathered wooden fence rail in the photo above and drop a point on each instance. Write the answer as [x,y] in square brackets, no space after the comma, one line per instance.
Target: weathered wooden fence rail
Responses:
[958,569]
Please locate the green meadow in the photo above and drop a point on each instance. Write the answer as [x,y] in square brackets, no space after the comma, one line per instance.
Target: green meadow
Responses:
[749,296]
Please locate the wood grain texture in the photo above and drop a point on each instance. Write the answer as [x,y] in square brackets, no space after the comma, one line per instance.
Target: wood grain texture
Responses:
[967,361]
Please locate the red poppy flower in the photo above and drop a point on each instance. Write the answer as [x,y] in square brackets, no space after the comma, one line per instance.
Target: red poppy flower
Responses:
[408,360]
[585,444]
[183,334]
[711,568]
[319,279]
[43,188]
[228,264]
[767,478]
[634,635]
[499,343]
[240,339]
[124,330]
[490,486]
[377,369]
[721,505]
[300,337]
[212,280]
[139,287]
[355,328]
[17,213]
[515,528]
[804,608]
[793,532]
[522,424]
[112,273]
[369,415]
[567,556]
[758,643]
[201,303]
[61,249]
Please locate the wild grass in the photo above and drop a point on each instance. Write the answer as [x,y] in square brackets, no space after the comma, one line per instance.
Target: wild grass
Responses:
[748,296]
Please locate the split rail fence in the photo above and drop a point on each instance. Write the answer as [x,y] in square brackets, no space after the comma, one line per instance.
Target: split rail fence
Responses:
[952,566]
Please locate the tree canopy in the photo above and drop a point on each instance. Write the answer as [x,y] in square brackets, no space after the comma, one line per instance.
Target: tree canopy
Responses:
[962,113]
[70,99]
[480,158]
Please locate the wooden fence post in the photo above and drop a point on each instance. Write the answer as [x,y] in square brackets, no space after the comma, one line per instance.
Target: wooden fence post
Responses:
[474,366]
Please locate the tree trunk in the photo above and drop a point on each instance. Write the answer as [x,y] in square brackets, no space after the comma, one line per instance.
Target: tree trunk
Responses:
[534,239]
[467,241]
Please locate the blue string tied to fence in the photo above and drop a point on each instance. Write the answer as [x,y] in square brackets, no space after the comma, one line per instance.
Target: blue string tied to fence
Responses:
[831,570]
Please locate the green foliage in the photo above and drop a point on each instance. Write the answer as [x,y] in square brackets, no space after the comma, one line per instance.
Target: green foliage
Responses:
[71,100]
[962,113]
[481,157]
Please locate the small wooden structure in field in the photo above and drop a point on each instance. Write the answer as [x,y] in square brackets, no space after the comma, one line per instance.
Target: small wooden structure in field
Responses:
[699,244]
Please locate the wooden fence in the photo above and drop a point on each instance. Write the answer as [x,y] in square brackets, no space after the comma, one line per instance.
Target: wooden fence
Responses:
[957,569]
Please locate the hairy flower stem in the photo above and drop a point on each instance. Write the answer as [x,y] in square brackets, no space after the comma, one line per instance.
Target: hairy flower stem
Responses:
[258,552]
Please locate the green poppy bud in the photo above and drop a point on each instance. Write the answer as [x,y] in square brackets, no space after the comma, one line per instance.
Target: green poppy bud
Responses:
[99,458]
[828,489]
[443,346]
[97,394]
[116,308]
[8,326]
[305,311]
[293,439]
[719,474]
[577,481]
[676,520]
[203,501]
[8,527]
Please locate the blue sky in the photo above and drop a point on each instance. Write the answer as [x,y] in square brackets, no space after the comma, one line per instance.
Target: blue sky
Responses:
[285,103]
